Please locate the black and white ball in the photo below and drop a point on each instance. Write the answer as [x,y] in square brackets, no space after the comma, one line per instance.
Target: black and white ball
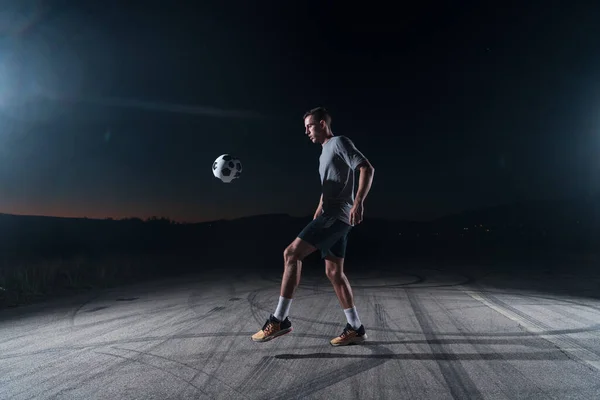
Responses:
[227,168]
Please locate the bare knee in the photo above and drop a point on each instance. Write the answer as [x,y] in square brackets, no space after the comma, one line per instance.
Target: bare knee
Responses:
[334,271]
[297,251]
[291,255]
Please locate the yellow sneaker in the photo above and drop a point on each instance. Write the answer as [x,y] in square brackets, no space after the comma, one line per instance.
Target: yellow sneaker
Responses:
[272,329]
[350,336]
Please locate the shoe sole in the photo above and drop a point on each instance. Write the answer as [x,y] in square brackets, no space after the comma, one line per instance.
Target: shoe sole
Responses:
[357,340]
[280,333]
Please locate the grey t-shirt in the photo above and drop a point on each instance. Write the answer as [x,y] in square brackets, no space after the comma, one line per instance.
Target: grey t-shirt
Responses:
[337,163]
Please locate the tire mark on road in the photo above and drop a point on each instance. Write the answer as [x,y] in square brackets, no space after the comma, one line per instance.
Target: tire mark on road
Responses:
[263,365]
[494,291]
[511,378]
[394,334]
[197,371]
[116,366]
[166,371]
[55,379]
[457,379]
[570,347]
[255,306]
[93,345]
[220,358]
[113,367]
[386,335]
[86,302]
[34,374]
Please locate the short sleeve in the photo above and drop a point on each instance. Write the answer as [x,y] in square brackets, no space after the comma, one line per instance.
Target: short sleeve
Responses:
[348,151]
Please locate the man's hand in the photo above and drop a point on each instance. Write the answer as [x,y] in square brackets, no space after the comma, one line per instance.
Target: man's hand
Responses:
[356,213]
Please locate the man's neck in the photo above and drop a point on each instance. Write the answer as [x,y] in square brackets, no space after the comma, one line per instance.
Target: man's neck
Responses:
[327,138]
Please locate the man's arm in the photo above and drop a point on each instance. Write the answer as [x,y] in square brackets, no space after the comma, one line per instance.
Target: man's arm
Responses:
[319,208]
[365,180]
[356,160]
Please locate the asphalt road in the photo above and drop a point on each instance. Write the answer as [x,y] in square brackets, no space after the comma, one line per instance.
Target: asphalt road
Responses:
[458,332]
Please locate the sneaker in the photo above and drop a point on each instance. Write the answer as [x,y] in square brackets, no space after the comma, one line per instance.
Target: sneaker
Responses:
[350,336]
[272,329]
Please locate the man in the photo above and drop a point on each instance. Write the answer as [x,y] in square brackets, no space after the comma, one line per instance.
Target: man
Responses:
[338,211]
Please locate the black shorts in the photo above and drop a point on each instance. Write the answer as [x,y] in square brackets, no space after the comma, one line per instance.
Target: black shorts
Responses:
[328,234]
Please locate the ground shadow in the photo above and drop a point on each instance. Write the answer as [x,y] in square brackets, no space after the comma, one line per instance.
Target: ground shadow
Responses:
[554,355]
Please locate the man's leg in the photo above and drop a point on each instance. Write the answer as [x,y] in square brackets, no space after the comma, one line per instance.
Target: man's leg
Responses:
[334,268]
[293,255]
[354,331]
[278,324]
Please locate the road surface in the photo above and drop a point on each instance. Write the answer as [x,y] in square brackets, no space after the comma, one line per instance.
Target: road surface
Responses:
[458,332]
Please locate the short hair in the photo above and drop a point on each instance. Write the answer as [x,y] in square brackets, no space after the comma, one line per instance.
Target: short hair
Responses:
[320,113]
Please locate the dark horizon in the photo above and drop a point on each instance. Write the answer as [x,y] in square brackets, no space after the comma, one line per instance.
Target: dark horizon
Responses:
[587,206]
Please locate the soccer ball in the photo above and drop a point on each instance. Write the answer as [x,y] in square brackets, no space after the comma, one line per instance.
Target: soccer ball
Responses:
[227,168]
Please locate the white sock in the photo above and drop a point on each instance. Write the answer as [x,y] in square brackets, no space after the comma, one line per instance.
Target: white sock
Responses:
[352,317]
[283,308]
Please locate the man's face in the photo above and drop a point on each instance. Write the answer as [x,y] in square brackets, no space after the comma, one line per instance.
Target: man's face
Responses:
[315,130]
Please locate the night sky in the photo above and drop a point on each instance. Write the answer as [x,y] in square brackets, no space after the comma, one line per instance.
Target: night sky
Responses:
[103,106]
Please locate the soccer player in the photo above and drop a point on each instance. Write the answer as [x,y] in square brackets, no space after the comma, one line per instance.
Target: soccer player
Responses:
[338,211]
